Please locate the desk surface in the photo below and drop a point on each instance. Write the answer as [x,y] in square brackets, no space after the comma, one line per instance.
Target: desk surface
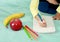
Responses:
[7,7]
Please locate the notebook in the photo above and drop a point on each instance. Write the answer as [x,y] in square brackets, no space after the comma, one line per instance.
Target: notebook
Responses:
[50,25]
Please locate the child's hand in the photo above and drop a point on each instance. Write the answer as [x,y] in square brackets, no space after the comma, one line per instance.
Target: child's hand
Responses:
[57,16]
[41,23]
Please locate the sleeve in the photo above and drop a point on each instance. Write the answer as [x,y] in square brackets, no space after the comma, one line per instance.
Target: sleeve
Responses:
[58,9]
[34,7]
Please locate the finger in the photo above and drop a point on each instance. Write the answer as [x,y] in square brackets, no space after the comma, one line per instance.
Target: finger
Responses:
[54,18]
[58,18]
[44,21]
[41,24]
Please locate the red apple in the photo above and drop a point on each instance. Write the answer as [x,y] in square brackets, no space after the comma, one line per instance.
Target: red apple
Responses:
[16,24]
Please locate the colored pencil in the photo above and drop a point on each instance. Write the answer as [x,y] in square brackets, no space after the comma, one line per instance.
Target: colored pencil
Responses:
[40,17]
[27,33]
[32,34]
[31,30]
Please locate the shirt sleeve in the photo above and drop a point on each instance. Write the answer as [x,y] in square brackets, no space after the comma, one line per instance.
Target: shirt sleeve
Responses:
[34,7]
[58,9]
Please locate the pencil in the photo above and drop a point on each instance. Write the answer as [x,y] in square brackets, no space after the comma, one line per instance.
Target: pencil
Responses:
[32,34]
[31,30]
[40,17]
[27,33]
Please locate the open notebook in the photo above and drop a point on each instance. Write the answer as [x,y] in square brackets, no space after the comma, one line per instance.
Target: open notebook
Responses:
[50,25]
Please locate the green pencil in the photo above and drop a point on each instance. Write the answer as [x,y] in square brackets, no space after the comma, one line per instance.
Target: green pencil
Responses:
[28,34]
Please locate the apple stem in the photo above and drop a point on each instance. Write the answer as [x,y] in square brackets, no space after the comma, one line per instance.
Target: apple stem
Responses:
[6,26]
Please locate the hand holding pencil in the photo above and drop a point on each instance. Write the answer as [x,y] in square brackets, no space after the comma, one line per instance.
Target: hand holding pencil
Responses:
[41,20]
